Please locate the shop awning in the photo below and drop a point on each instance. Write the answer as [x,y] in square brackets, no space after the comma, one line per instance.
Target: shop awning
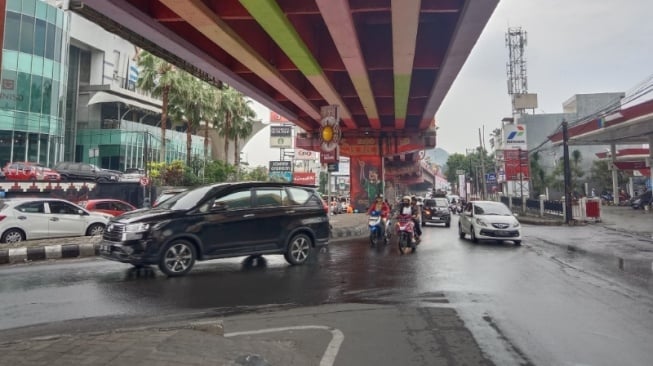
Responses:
[104,97]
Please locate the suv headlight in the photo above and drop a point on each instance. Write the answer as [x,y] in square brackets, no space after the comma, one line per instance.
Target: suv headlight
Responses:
[481,222]
[137,228]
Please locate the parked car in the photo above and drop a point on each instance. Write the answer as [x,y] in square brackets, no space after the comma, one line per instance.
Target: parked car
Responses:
[108,206]
[36,218]
[26,171]
[641,200]
[132,175]
[489,220]
[219,221]
[436,211]
[83,171]
[167,194]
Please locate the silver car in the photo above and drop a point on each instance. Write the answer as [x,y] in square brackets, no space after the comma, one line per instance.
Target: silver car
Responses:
[38,218]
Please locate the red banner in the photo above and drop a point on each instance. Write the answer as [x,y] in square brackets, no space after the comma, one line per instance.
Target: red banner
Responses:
[277,118]
[516,164]
[303,178]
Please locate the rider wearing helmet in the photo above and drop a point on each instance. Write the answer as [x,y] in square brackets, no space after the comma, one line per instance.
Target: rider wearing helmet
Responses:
[406,213]
[383,209]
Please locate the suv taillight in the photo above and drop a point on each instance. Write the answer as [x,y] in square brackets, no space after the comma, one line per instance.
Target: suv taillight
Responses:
[2,217]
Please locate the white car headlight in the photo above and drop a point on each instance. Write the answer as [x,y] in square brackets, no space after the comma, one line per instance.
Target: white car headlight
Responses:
[481,222]
[137,228]
[515,224]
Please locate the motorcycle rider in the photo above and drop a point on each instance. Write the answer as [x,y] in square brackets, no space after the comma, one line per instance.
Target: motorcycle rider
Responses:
[417,216]
[405,212]
[383,209]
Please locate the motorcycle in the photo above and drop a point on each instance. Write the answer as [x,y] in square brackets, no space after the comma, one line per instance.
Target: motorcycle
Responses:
[404,228]
[377,235]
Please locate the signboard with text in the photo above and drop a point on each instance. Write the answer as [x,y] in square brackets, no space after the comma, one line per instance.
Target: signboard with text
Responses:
[327,157]
[280,171]
[281,137]
[516,164]
[301,154]
[277,118]
[515,136]
[304,178]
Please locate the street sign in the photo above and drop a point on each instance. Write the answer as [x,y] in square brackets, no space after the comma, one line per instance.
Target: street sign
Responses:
[460,172]
[332,167]
[281,137]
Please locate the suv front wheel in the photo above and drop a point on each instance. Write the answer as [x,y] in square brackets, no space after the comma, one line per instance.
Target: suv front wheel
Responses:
[178,258]
[299,249]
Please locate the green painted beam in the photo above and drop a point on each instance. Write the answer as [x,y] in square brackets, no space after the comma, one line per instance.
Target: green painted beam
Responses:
[402,87]
[270,16]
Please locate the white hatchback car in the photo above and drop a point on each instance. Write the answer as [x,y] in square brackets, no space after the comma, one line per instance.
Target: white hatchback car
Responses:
[489,220]
[38,218]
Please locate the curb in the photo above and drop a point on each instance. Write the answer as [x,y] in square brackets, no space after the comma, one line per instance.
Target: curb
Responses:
[349,232]
[538,221]
[59,251]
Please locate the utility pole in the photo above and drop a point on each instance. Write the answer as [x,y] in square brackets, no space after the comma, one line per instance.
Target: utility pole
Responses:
[482,146]
[567,172]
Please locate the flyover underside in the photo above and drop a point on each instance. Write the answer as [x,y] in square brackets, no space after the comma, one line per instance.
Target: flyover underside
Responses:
[387,64]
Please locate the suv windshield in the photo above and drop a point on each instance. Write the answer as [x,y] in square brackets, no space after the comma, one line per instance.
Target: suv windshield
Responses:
[185,200]
[436,202]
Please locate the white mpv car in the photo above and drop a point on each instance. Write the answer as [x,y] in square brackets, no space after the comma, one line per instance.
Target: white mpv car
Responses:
[38,218]
[489,220]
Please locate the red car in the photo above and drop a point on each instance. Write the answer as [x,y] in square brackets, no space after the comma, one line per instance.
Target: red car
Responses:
[110,206]
[26,171]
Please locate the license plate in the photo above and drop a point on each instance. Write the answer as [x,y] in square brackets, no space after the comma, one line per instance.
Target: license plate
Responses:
[502,233]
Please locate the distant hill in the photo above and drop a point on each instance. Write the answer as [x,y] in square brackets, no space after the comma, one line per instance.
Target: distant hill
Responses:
[438,156]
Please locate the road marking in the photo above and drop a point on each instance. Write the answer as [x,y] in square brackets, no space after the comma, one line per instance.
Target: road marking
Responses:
[329,356]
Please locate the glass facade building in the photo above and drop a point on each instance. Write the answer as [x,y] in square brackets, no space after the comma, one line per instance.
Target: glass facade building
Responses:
[33,87]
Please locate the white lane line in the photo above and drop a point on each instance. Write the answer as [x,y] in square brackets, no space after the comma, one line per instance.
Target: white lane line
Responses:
[329,356]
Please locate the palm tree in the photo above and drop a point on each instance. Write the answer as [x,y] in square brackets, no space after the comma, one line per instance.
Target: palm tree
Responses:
[226,112]
[160,79]
[192,103]
[243,124]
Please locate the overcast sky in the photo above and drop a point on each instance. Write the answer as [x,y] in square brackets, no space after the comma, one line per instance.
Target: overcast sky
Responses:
[574,47]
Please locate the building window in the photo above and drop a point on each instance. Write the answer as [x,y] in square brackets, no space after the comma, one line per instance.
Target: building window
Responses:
[39,38]
[50,40]
[12,34]
[23,88]
[27,34]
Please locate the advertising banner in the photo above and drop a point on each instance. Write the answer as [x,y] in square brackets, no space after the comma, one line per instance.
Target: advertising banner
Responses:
[327,157]
[276,118]
[515,136]
[280,171]
[281,137]
[516,165]
[304,178]
[301,154]
[365,180]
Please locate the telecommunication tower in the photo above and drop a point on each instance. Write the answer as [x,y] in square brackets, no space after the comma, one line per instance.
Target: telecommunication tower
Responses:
[516,66]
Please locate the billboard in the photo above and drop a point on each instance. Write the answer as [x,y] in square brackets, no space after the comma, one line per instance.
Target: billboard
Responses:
[514,136]
[281,137]
[277,118]
[524,101]
[301,154]
[280,171]
[516,165]
[304,178]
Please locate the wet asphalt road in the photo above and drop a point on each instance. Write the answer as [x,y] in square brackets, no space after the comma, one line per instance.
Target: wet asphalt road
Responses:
[532,304]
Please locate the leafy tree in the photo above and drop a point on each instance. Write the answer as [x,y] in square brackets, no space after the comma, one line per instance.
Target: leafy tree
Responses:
[456,162]
[538,175]
[259,174]
[160,79]
[219,171]
[602,175]
[243,124]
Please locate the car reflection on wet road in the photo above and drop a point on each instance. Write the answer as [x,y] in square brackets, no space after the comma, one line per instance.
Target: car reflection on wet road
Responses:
[519,302]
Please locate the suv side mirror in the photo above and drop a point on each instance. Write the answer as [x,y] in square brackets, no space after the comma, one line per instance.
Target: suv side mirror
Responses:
[219,206]
[81,212]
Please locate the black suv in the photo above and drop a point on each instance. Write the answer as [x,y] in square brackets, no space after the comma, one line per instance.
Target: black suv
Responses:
[220,221]
[83,171]
[436,211]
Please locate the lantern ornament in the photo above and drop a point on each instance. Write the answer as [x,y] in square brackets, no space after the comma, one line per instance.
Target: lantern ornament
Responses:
[329,133]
